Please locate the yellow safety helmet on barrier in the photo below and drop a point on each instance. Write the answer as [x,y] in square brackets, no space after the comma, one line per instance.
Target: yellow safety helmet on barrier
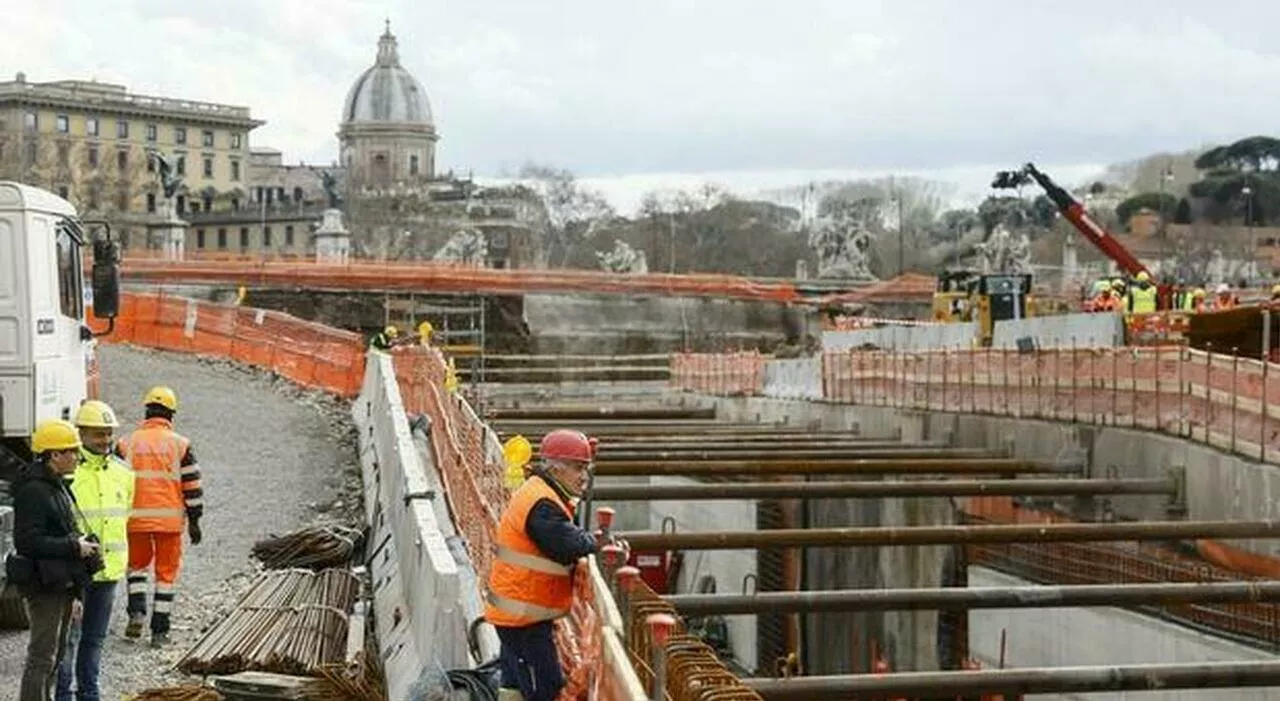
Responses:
[54,434]
[96,414]
[516,453]
[163,396]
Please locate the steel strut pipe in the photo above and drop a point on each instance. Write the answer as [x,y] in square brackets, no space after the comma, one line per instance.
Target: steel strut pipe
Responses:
[576,413]
[757,438]
[885,452]
[693,605]
[760,449]
[950,535]
[880,489]
[846,466]
[1024,681]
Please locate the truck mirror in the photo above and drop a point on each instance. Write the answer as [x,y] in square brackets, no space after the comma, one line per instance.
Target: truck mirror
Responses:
[106,278]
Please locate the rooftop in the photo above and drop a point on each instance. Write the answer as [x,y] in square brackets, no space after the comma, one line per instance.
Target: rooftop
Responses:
[110,97]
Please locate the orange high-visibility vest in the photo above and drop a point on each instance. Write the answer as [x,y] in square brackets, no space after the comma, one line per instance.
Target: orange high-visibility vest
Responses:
[155,452]
[525,587]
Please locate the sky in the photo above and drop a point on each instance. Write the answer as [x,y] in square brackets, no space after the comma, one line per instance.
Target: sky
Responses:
[751,94]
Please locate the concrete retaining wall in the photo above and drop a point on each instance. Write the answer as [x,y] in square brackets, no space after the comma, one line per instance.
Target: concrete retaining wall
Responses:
[797,378]
[422,603]
[904,337]
[1067,637]
[1062,331]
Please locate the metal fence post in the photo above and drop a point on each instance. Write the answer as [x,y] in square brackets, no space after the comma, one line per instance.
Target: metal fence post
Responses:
[660,627]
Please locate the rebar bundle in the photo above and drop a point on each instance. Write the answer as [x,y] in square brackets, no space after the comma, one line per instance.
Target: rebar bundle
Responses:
[315,548]
[360,680]
[290,622]
[178,693]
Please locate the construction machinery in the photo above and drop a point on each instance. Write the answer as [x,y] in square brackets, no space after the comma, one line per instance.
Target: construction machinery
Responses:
[967,295]
[46,346]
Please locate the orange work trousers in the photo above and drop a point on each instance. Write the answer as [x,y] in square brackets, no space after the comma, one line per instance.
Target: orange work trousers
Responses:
[164,551]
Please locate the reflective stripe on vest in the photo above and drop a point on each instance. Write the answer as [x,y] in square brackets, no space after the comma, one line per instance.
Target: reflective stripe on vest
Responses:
[103,488]
[525,587]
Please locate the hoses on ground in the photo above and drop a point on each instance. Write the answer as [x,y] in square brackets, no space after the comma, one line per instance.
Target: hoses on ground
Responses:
[478,683]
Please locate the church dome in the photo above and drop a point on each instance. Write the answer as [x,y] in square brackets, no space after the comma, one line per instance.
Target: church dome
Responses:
[386,92]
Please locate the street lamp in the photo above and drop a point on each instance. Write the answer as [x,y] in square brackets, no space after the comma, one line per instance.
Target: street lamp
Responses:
[1247,193]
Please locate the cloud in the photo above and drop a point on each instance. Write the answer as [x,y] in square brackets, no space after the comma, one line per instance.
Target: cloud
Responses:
[621,90]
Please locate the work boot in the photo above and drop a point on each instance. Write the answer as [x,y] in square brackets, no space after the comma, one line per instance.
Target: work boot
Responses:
[134,629]
[159,639]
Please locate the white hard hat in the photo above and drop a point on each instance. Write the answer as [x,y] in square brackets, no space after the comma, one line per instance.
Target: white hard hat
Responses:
[1222,288]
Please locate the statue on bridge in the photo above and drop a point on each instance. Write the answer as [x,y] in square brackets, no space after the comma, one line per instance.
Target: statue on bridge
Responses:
[842,242]
[170,180]
[329,181]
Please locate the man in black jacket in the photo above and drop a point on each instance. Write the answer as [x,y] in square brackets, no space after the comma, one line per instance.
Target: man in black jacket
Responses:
[54,560]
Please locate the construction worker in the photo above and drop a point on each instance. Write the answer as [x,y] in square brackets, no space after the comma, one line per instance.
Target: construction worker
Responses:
[1142,295]
[1223,299]
[531,581]
[1105,301]
[102,486]
[1193,301]
[167,496]
[54,560]
[385,339]
[1275,294]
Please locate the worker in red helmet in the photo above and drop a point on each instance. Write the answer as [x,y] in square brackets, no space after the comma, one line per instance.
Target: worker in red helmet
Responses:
[531,580]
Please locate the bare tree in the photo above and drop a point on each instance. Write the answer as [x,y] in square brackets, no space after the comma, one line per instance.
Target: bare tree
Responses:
[1204,253]
[571,215]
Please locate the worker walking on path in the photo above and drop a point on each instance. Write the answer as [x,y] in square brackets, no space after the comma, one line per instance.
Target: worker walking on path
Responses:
[102,486]
[531,581]
[167,496]
[54,560]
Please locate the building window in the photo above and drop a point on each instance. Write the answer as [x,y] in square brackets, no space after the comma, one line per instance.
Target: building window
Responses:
[122,160]
[199,238]
[151,203]
[122,201]
[70,279]
[288,235]
[31,121]
[208,202]
[297,194]
[235,204]
[207,139]
[222,239]
[180,204]
[151,165]
[195,207]
[182,164]
[122,129]
[208,167]
[413,164]
[152,132]
[179,135]
[63,192]
[244,237]
[235,170]
[266,237]
[64,154]
[236,141]
[91,127]
[62,124]
[93,156]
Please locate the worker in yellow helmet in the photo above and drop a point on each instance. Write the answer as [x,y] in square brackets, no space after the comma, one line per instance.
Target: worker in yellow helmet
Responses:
[1275,293]
[102,485]
[1142,295]
[168,496]
[54,559]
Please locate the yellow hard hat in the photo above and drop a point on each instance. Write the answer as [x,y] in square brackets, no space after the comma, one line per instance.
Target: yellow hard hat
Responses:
[162,396]
[1275,289]
[516,453]
[1199,292]
[391,331]
[96,414]
[1142,276]
[54,434]
[425,329]
[1117,283]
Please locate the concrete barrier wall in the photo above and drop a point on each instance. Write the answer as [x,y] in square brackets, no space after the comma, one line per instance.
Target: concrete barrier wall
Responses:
[1068,637]
[417,583]
[1063,331]
[904,337]
[796,378]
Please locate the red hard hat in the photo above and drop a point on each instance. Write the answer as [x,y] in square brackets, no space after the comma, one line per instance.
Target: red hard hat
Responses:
[565,444]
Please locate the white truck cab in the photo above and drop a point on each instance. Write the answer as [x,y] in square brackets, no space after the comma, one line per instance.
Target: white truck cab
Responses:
[45,345]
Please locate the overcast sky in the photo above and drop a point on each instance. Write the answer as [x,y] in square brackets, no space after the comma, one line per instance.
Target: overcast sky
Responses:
[751,93]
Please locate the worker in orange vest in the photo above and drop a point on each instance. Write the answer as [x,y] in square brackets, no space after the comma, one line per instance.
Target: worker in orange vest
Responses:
[531,581]
[1105,301]
[1223,298]
[167,499]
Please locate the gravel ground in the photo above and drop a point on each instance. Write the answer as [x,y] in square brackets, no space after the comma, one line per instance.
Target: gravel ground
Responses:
[274,459]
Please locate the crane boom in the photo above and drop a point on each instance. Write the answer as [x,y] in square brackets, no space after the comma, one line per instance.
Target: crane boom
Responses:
[1075,213]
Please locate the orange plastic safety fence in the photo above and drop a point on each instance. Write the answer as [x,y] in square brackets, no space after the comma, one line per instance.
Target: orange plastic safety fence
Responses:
[724,374]
[474,489]
[309,354]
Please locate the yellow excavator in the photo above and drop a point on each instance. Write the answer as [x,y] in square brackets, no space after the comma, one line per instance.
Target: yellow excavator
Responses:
[967,295]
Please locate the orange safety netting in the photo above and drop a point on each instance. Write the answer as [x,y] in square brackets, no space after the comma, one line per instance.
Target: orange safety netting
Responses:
[426,276]
[724,374]
[474,490]
[309,354]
